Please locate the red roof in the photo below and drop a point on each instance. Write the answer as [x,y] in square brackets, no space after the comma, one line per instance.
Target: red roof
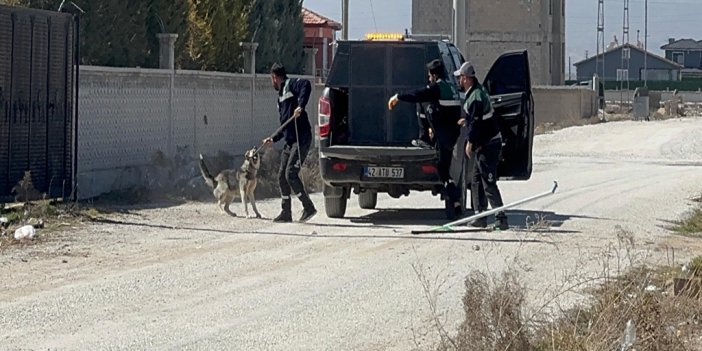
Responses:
[311,18]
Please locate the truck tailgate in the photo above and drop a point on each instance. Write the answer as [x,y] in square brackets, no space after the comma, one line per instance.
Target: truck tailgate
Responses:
[380,154]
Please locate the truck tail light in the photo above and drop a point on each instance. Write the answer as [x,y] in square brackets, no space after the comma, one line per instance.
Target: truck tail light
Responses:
[339,167]
[325,117]
[429,169]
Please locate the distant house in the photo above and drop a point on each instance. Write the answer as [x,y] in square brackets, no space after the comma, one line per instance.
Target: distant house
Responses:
[686,52]
[320,32]
[659,68]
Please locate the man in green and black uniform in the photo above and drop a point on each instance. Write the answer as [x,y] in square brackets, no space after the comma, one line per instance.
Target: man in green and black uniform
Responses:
[442,104]
[484,144]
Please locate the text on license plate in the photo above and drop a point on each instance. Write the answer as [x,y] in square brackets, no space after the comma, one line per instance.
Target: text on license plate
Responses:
[384,172]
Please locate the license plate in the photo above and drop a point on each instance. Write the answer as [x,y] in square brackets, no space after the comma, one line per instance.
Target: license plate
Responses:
[384,172]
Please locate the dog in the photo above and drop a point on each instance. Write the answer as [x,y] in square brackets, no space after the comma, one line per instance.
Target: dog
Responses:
[230,183]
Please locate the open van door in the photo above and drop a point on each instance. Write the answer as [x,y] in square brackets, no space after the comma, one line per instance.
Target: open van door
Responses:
[509,84]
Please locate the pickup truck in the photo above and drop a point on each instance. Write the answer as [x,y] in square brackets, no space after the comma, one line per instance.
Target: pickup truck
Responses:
[366,148]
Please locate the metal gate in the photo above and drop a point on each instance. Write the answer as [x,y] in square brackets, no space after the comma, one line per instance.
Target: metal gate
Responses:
[37,86]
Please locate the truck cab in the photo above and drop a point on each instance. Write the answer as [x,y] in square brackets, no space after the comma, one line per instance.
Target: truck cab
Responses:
[366,148]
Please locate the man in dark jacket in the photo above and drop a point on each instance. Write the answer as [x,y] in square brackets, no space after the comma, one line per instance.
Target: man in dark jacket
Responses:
[443,110]
[293,96]
[483,146]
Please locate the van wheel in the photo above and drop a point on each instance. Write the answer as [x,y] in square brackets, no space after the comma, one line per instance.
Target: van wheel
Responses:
[368,200]
[335,207]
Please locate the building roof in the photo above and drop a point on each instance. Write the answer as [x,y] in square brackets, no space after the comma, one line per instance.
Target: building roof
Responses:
[633,47]
[313,19]
[683,44]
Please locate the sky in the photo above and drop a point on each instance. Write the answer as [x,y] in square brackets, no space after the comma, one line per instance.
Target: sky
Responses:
[666,19]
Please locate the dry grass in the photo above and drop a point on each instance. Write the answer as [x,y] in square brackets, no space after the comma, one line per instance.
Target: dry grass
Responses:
[692,224]
[626,291]
[644,296]
[495,320]
[48,216]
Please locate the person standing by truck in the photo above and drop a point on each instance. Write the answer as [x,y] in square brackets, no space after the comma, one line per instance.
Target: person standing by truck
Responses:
[484,143]
[293,95]
[443,111]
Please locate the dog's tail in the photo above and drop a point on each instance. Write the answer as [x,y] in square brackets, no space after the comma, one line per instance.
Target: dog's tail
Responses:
[209,179]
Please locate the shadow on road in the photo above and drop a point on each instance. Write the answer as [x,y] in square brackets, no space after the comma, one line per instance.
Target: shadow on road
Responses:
[522,220]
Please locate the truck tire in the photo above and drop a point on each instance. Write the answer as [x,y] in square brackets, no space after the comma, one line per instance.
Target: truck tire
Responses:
[368,200]
[335,207]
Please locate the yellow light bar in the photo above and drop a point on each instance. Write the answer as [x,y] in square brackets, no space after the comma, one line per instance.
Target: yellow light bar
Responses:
[385,36]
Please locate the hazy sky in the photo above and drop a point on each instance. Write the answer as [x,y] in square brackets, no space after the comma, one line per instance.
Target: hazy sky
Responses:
[666,18]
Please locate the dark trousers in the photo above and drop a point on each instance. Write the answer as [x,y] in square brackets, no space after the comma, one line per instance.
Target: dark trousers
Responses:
[483,187]
[424,126]
[289,173]
[290,163]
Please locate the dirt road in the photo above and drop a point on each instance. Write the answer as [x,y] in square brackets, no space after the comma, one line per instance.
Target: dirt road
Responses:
[187,277]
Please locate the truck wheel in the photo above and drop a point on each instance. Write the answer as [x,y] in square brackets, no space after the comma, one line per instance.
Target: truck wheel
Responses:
[335,207]
[368,200]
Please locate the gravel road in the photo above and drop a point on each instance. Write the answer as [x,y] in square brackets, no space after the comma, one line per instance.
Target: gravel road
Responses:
[187,277]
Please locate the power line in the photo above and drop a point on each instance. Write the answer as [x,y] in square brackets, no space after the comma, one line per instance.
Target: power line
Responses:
[375,24]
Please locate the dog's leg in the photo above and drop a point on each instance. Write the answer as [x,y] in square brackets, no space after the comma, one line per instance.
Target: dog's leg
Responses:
[244,203]
[252,199]
[227,210]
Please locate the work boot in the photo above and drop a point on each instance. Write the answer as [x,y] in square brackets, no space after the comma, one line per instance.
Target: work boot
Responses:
[452,204]
[285,215]
[501,221]
[421,144]
[307,214]
[479,223]
[309,210]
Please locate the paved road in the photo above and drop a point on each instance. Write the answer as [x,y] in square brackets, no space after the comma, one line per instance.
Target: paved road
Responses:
[188,278]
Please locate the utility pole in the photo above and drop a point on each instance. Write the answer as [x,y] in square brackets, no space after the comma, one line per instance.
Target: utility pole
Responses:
[345,19]
[600,59]
[626,55]
[460,22]
[646,43]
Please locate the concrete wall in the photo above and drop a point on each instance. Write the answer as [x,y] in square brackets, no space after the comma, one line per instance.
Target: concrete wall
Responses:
[128,116]
[556,104]
[497,26]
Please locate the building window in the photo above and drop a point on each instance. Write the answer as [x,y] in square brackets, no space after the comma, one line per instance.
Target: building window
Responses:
[550,7]
[679,57]
[626,53]
[562,8]
[622,75]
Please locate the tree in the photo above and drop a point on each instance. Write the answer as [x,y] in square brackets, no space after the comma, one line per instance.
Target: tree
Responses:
[277,26]
[216,27]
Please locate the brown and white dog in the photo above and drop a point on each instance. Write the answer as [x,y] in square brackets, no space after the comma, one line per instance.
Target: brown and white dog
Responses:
[230,183]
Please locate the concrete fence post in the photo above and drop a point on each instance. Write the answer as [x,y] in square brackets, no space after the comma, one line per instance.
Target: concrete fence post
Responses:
[166,60]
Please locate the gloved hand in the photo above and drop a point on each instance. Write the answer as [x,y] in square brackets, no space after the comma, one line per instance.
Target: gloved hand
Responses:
[393,101]
[298,112]
[469,149]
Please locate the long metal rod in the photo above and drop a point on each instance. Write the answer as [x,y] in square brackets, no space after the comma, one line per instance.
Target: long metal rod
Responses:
[450,226]
[292,118]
